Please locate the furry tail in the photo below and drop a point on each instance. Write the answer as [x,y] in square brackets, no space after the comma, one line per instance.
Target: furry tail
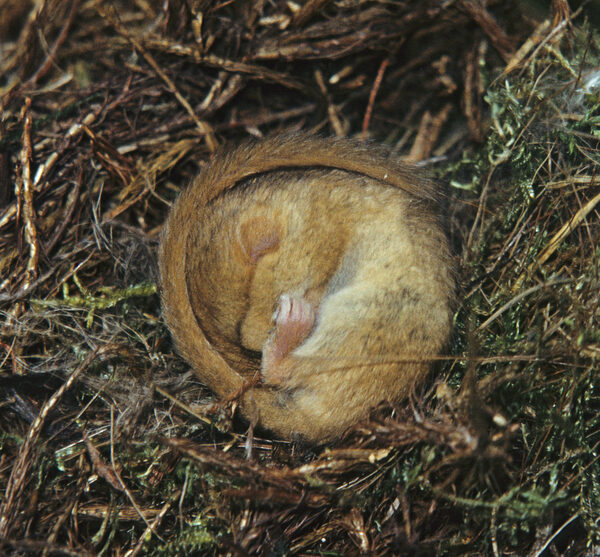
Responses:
[223,173]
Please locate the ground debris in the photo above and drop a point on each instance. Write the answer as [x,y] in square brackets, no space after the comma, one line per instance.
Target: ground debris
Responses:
[108,445]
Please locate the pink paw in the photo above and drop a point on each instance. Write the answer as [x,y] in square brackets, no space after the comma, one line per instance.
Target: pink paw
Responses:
[294,316]
[294,319]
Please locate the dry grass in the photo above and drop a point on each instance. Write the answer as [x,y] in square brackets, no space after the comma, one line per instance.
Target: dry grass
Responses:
[109,446]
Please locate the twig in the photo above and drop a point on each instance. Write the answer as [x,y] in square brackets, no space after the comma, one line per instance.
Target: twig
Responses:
[558,531]
[487,22]
[104,470]
[43,69]
[67,217]
[525,48]
[372,95]
[254,71]
[471,101]
[151,527]
[181,405]
[564,231]
[332,111]
[554,33]
[307,11]
[28,210]
[10,353]
[428,134]
[481,208]
[517,299]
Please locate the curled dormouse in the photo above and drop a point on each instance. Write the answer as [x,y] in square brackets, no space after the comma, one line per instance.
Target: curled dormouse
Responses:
[319,264]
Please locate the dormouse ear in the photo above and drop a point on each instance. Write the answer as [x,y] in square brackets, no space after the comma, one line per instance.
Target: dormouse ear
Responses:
[257,237]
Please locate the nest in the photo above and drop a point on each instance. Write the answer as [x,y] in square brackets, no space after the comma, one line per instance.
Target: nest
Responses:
[108,445]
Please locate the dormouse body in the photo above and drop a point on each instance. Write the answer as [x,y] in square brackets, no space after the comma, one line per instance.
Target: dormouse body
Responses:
[321,265]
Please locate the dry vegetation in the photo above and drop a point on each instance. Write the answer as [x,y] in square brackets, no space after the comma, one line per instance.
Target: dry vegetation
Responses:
[109,446]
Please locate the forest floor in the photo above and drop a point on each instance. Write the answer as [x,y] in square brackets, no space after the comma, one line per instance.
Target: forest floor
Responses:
[110,446]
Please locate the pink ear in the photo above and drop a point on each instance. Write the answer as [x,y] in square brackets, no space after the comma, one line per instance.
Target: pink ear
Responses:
[258,236]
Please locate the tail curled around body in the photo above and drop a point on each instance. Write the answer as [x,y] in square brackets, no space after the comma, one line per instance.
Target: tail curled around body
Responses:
[270,407]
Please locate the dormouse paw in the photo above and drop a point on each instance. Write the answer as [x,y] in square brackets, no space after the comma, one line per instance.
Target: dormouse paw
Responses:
[294,319]
[294,312]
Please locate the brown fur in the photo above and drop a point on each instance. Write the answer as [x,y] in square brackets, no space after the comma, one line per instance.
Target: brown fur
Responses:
[350,238]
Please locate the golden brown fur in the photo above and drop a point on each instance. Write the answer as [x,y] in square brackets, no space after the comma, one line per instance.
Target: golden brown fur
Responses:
[323,258]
